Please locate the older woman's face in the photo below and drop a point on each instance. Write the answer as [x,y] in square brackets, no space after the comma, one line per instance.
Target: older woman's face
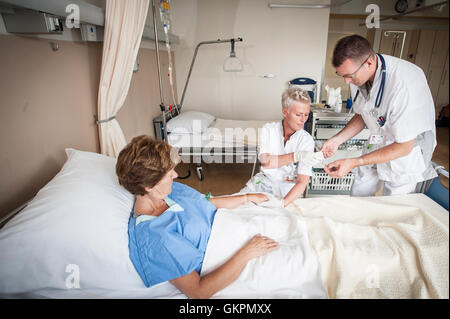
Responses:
[164,186]
[297,115]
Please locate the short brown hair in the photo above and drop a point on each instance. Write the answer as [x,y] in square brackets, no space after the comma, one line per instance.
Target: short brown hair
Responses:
[143,163]
[354,47]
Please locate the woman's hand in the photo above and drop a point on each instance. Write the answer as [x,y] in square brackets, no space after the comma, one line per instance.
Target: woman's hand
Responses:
[257,198]
[258,246]
[194,286]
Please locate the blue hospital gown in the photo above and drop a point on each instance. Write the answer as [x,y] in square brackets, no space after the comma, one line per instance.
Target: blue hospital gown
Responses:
[173,244]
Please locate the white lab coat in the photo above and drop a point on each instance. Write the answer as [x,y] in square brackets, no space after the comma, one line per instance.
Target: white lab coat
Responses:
[408,109]
[271,140]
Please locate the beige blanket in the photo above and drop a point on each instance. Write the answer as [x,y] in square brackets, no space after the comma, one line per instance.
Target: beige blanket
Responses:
[379,247]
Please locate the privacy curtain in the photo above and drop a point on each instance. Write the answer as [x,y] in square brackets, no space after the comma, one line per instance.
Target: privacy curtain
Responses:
[124,23]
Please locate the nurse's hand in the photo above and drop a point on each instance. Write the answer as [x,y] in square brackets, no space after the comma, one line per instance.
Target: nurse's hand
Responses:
[330,147]
[340,168]
[268,161]
[272,202]
[258,246]
[257,198]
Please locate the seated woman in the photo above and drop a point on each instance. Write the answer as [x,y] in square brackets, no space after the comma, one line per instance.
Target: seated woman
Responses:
[286,151]
[170,223]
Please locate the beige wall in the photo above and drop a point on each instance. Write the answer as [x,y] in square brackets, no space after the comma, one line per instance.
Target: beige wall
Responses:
[338,28]
[142,103]
[48,100]
[287,43]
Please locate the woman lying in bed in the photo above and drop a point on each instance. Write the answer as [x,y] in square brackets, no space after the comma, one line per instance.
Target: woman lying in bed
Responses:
[170,223]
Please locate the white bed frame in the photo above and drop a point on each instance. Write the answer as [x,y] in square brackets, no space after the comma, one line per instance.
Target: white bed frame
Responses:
[239,156]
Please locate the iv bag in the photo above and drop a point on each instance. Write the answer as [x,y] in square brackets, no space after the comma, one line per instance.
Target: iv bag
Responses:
[166,19]
[164,10]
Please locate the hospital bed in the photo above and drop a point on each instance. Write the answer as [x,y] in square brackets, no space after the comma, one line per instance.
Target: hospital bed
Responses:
[215,141]
[71,241]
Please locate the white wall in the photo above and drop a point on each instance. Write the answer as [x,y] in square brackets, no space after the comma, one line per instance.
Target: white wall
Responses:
[288,43]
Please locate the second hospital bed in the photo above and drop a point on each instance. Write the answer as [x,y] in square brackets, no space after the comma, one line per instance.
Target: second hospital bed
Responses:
[203,138]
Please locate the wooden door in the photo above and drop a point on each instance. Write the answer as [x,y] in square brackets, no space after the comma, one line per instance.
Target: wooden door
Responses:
[392,42]
[442,96]
[411,43]
[425,49]
[437,62]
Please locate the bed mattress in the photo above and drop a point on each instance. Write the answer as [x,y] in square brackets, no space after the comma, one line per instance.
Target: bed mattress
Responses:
[221,134]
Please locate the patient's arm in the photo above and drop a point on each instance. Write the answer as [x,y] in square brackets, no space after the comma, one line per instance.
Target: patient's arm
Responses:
[275,161]
[194,286]
[231,202]
[297,190]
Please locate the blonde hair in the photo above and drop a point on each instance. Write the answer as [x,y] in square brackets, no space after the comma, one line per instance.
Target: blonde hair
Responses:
[292,95]
[143,163]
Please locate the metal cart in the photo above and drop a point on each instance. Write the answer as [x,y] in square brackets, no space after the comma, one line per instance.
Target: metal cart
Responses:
[325,124]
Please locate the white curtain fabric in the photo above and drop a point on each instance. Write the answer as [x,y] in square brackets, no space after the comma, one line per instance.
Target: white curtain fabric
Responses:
[124,24]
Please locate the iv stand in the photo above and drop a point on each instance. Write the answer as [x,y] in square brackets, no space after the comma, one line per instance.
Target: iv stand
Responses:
[162,106]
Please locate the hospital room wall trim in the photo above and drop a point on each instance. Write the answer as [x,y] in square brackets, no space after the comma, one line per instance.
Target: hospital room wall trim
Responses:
[48,100]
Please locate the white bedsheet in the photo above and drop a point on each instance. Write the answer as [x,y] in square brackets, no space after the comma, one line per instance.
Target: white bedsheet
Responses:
[291,271]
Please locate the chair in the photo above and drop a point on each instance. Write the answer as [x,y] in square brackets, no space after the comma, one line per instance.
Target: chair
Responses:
[437,191]
[312,94]
[305,81]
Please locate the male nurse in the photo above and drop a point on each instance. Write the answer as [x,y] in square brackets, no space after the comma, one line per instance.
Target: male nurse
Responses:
[392,99]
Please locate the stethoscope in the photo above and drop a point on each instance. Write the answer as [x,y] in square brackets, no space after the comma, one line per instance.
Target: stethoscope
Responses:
[380,120]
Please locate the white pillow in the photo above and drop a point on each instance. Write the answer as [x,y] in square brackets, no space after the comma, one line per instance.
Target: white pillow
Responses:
[190,122]
[76,225]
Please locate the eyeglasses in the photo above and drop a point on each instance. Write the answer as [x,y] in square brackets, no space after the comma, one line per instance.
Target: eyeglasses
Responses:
[352,75]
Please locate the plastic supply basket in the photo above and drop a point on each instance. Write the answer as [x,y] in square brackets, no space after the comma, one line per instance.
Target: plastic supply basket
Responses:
[322,183]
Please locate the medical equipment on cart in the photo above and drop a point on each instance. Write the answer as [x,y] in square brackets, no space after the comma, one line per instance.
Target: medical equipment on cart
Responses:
[325,124]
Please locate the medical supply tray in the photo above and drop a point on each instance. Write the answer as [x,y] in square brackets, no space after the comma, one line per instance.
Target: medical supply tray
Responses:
[322,183]
[325,124]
